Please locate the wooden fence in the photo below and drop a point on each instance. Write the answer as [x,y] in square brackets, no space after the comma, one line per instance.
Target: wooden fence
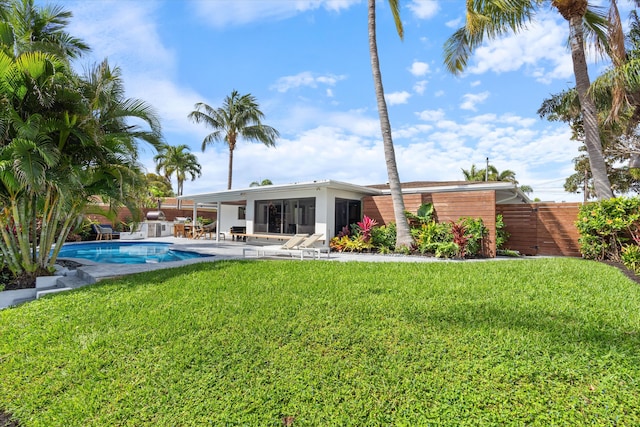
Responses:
[534,229]
[542,228]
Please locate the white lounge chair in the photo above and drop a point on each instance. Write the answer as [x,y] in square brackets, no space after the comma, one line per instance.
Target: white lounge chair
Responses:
[289,247]
[308,245]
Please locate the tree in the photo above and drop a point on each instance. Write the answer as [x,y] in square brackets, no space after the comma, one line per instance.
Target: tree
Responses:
[159,186]
[239,117]
[492,18]
[474,174]
[261,183]
[178,161]
[403,234]
[64,139]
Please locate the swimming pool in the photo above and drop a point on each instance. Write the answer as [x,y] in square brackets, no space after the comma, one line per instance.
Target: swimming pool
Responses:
[126,252]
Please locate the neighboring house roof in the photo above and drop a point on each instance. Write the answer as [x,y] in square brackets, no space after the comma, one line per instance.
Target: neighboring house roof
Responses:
[506,192]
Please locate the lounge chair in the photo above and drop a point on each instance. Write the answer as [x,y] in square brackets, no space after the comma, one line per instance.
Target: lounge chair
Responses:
[308,245]
[289,247]
[204,230]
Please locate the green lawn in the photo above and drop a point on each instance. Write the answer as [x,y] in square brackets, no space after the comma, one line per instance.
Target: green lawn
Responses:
[524,342]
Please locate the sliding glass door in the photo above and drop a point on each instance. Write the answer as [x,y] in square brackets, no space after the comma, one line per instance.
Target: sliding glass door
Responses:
[285,216]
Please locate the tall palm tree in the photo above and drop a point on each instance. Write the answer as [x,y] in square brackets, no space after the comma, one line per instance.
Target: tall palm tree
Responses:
[239,117]
[179,161]
[493,18]
[403,234]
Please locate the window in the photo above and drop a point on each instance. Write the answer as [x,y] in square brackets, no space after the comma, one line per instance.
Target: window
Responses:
[285,216]
[347,213]
[242,212]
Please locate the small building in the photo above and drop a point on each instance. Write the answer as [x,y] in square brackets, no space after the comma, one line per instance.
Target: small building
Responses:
[327,206]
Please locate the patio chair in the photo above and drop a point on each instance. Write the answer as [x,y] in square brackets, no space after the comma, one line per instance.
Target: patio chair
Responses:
[104,231]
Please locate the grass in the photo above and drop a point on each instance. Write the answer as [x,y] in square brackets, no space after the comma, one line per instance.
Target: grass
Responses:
[523,342]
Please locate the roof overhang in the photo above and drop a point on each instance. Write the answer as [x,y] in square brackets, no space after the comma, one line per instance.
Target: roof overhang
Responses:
[244,193]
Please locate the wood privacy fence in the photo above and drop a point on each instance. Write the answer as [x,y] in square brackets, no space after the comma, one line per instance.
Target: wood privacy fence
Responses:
[534,229]
[542,228]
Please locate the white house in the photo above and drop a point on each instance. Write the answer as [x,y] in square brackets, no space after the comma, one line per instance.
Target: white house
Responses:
[326,206]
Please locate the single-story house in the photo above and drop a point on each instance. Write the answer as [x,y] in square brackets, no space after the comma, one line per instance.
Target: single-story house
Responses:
[278,211]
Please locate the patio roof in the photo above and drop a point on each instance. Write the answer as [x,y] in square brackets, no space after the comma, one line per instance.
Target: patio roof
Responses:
[241,194]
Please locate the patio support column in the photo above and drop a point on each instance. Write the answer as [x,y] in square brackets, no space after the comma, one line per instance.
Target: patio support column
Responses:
[218,213]
[195,212]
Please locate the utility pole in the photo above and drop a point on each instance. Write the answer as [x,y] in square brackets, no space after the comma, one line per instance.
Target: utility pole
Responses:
[486,171]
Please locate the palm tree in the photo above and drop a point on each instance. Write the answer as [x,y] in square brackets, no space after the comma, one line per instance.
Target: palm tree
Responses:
[473,174]
[27,28]
[261,183]
[403,234]
[239,117]
[180,161]
[493,18]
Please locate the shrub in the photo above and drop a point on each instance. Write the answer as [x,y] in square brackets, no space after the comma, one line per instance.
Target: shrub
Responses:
[446,250]
[631,257]
[384,237]
[605,225]
[501,234]
[430,235]
[460,238]
[476,232]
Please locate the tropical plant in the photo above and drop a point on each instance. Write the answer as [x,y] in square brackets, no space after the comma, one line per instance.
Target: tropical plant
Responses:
[460,238]
[491,19]
[261,183]
[430,235]
[403,237]
[65,139]
[501,233]
[475,232]
[179,161]
[239,117]
[424,215]
[630,257]
[383,238]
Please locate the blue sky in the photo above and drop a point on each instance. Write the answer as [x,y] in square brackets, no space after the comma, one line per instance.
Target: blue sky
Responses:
[307,63]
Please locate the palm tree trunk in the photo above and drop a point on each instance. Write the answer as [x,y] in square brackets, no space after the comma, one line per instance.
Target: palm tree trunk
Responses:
[230,168]
[403,235]
[592,141]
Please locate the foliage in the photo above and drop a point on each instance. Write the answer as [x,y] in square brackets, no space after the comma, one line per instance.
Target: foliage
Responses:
[358,240]
[424,215]
[476,232]
[430,235]
[460,238]
[606,225]
[630,257]
[64,139]
[522,342]
[501,233]
[447,250]
[384,238]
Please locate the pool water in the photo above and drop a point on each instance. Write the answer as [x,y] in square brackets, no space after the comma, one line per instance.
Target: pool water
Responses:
[126,252]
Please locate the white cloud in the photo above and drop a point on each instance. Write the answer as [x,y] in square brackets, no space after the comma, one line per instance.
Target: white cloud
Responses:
[420,86]
[470,100]
[419,69]
[424,9]
[431,115]
[541,51]
[475,83]
[395,98]
[454,23]
[305,79]
[223,13]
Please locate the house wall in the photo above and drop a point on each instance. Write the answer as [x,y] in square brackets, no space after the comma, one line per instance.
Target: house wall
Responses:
[542,228]
[448,207]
